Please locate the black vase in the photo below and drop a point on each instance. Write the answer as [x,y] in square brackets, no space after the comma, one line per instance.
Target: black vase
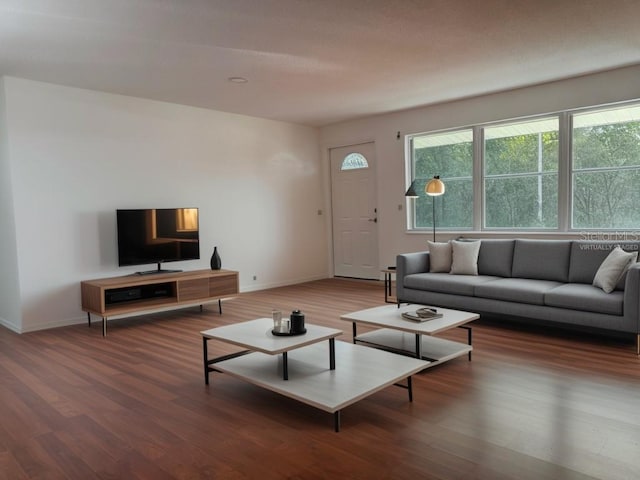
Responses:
[216,263]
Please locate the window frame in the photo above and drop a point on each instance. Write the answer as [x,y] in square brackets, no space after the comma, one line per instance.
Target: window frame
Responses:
[362,163]
[571,170]
[565,174]
[411,208]
[541,174]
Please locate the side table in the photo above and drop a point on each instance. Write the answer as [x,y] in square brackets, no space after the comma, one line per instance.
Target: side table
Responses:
[389,297]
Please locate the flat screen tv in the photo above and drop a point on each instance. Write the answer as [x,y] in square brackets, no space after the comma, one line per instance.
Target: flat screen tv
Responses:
[157,235]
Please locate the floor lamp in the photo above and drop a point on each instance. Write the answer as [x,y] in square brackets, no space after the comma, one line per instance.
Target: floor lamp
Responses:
[411,192]
[434,188]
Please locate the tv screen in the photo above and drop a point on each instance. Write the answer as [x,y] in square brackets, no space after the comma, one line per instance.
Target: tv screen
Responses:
[157,235]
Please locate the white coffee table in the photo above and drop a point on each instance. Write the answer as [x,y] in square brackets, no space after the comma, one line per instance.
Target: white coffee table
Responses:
[408,337]
[256,336]
[360,371]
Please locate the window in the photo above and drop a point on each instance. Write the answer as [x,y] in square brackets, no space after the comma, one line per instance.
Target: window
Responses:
[606,169]
[572,171]
[449,155]
[521,175]
[354,161]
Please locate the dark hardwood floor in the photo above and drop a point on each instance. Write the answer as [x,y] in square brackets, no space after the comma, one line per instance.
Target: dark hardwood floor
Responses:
[533,404]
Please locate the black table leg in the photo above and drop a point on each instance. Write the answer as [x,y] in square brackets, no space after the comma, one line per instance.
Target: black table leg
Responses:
[418,346]
[285,366]
[206,358]
[208,362]
[387,286]
[336,421]
[469,337]
[353,329]
[332,354]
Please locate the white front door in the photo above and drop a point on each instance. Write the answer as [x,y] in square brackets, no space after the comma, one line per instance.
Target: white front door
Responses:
[354,212]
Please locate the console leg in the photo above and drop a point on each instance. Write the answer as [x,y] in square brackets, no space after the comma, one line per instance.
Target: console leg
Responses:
[220,306]
[336,421]
[104,326]
[89,319]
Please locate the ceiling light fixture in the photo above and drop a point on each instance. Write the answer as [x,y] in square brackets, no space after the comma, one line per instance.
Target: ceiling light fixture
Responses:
[237,80]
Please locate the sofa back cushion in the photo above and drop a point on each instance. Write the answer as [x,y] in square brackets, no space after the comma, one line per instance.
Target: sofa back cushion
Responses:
[495,257]
[541,259]
[587,256]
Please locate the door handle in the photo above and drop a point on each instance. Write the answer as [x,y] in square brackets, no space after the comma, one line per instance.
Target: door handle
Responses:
[374,220]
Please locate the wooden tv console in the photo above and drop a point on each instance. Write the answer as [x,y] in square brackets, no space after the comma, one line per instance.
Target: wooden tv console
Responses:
[119,296]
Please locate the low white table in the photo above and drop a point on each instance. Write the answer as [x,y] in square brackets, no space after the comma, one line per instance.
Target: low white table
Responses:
[417,339]
[353,373]
[256,336]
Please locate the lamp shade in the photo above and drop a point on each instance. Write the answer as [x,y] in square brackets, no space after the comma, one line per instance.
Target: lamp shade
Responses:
[434,187]
[411,192]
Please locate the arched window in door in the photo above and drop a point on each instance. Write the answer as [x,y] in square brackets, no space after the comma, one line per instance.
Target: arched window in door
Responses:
[354,161]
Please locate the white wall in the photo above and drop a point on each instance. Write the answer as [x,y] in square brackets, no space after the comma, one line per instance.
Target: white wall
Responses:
[77,155]
[9,289]
[607,87]
[69,158]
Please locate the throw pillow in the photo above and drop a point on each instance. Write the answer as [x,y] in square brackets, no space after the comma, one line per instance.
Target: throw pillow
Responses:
[439,257]
[623,276]
[612,268]
[464,257]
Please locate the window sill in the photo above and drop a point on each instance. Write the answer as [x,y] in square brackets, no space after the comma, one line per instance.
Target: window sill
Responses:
[593,235]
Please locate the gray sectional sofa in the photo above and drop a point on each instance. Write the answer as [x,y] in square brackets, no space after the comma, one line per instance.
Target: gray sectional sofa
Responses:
[548,280]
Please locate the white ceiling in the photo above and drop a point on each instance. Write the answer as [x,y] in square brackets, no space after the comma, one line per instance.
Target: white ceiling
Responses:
[313,62]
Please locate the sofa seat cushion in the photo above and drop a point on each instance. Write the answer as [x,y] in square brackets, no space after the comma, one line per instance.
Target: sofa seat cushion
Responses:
[578,296]
[446,283]
[521,290]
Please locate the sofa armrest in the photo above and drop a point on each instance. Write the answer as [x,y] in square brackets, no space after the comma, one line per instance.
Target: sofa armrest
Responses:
[407,264]
[632,294]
